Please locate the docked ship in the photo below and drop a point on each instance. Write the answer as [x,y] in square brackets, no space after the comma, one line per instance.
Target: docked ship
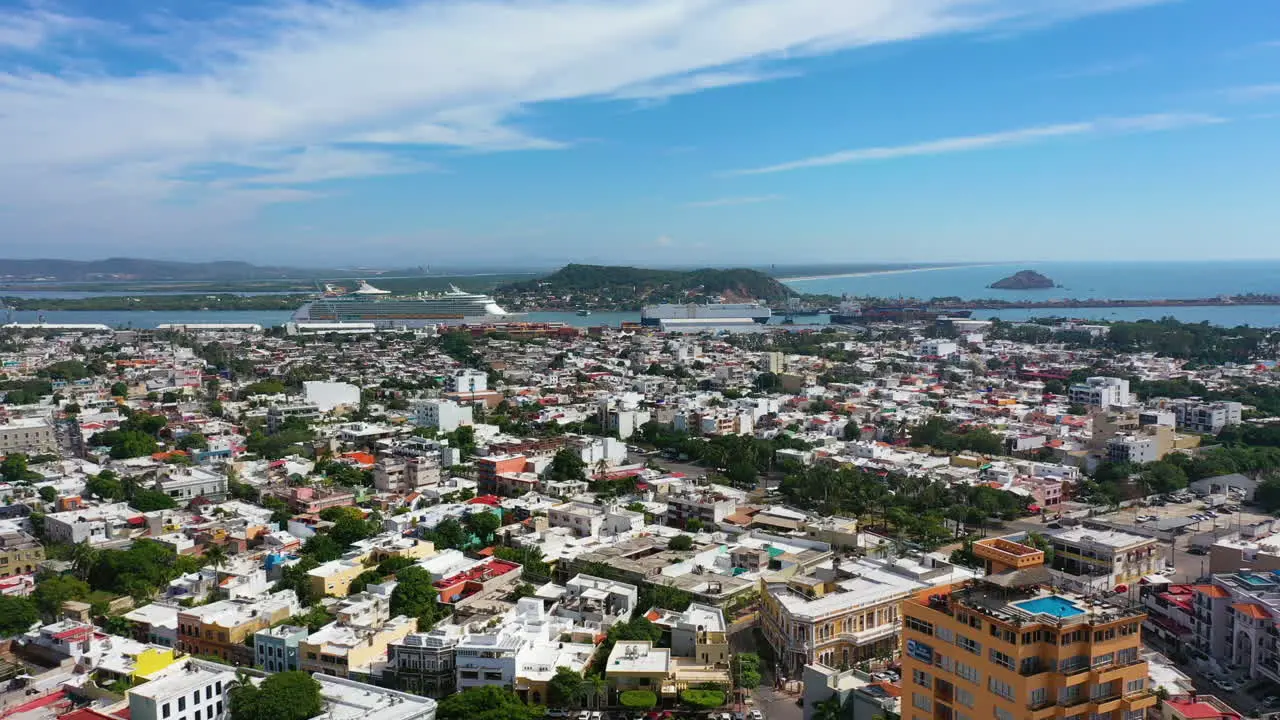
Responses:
[368,304]
[852,313]
[655,314]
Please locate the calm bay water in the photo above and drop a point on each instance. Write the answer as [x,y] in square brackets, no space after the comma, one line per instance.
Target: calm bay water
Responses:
[1120,280]
[1125,280]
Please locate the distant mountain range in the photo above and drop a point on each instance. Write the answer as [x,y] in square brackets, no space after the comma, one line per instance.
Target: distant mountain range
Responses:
[138,269]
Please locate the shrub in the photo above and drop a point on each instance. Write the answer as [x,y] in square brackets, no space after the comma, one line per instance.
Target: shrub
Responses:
[638,699]
[703,699]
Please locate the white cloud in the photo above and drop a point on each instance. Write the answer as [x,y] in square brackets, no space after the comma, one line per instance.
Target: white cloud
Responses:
[730,201]
[306,75]
[1022,136]
[663,241]
[1247,93]
[318,164]
[1102,69]
[29,29]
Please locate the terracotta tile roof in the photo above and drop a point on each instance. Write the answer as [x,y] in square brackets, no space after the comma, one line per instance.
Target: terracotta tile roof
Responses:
[1212,591]
[1253,610]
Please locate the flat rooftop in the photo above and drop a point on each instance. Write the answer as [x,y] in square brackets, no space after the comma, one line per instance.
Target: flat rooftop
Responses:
[1101,537]
[349,700]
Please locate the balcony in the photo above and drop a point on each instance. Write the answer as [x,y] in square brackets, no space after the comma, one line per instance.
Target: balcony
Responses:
[1105,705]
[1073,702]
[1139,701]
[1043,711]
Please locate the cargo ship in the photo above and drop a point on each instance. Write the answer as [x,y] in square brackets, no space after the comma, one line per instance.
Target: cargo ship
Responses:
[368,304]
[655,314]
[853,313]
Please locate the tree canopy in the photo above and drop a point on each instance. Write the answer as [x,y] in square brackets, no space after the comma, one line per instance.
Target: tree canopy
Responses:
[486,703]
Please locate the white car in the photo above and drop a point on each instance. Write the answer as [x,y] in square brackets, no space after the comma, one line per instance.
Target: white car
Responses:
[755,715]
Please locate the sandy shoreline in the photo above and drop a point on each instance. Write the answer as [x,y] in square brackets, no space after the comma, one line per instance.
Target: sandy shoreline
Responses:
[884,272]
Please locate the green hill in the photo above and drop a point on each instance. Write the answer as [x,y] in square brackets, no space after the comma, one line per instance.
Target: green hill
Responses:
[622,282]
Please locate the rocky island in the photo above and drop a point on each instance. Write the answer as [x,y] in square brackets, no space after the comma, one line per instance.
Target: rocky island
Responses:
[1023,280]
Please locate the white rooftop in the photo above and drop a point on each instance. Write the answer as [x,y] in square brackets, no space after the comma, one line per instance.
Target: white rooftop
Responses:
[1106,538]
[350,700]
[638,657]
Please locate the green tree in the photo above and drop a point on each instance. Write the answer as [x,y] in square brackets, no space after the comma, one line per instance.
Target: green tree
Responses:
[364,580]
[415,594]
[449,534]
[119,390]
[746,670]
[564,689]
[485,703]
[1267,494]
[147,500]
[17,615]
[291,695]
[14,467]
[567,465]
[193,441]
[52,592]
[464,441]
[323,548]
[216,556]
[483,525]
[48,493]
[680,542]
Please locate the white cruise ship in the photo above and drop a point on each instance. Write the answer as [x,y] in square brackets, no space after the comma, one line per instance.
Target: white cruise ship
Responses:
[655,314]
[368,304]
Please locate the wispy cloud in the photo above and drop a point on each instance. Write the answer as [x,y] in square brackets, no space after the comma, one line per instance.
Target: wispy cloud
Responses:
[730,201]
[1102,69]
[970,143]
[302,78]
[1247,93]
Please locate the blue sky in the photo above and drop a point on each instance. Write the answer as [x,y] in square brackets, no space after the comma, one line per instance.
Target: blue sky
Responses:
[407,132]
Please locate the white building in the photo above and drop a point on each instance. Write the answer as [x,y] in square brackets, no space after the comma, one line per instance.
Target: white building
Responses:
[445,415]
[187,690]
[328,395]
[1103,392]
[1092,560]
[937,347]
[597,603]
[468,381]
[30,436]
[192,483]
[350,700]
[405,474]
[95,525]
[1135,449]
[1206,417]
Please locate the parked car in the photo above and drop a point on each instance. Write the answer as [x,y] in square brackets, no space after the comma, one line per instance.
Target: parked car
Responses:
[1226,685]
[756,715]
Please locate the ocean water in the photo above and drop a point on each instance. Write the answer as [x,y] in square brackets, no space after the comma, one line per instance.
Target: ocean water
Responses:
[1079,280]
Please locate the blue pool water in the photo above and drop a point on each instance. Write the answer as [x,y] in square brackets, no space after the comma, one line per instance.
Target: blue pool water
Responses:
[1051,605]
[1256,579]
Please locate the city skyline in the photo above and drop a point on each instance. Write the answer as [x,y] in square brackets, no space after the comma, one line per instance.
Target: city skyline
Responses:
[654,132]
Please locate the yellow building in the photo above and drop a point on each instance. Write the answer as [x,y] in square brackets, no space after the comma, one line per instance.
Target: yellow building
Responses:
[335,577]
[150,661]
[845,611]
[345,651]
[1007,647]
[20,554]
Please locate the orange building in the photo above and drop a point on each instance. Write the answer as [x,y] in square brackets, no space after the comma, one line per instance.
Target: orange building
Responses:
[1008,647]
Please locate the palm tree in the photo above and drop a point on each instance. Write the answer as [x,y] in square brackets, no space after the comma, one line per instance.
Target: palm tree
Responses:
[83,558]
[216,556]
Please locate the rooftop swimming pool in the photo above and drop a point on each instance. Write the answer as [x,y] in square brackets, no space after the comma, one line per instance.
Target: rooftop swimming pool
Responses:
[1055,605]
[1258,578]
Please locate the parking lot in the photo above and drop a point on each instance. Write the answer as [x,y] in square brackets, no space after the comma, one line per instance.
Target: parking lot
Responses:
[1187,565]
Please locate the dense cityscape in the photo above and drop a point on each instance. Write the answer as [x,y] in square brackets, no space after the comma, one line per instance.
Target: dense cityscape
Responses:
[537,520]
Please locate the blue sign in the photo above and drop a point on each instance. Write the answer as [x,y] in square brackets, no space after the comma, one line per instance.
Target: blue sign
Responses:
[920,651]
